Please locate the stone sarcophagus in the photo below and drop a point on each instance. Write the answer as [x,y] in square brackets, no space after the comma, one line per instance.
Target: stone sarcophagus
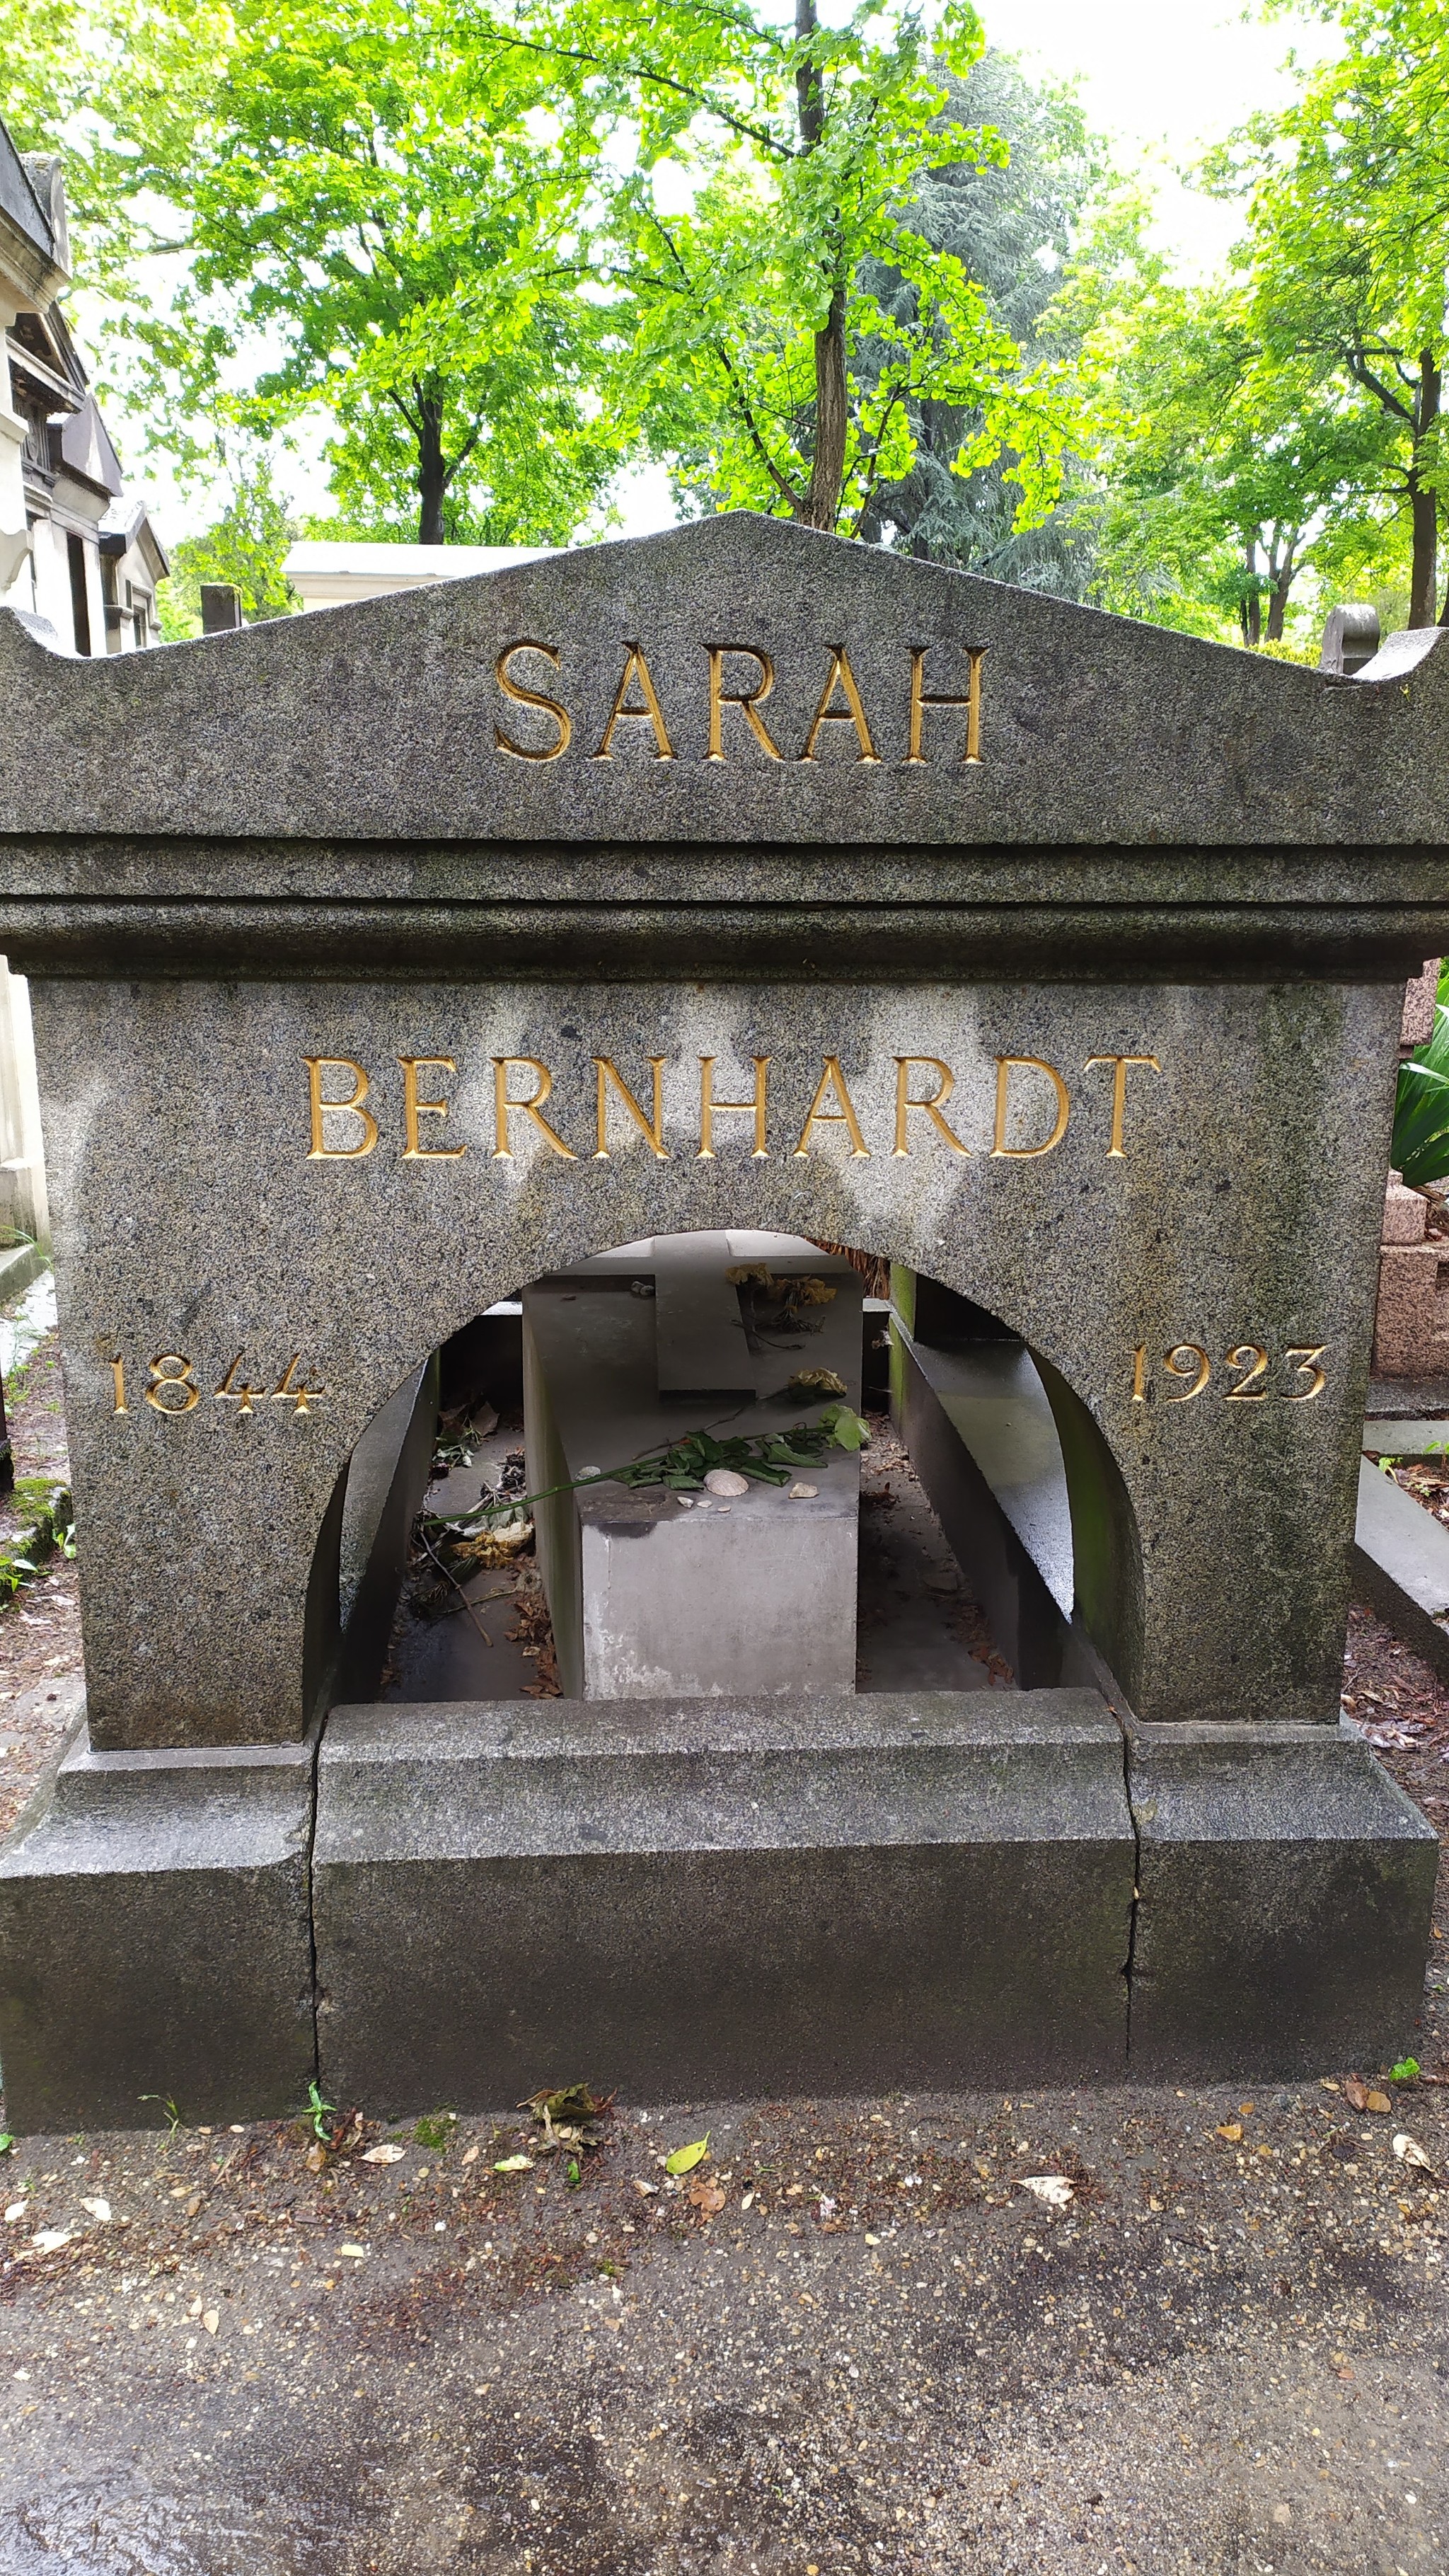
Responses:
[389,962]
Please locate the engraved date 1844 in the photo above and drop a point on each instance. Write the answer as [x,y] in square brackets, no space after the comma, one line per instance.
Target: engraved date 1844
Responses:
[171,1386]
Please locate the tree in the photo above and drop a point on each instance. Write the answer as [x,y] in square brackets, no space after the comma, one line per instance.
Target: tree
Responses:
[1348,248]
[1011,226]
[761,175]
[246,547]
[1227,475]
[371,193]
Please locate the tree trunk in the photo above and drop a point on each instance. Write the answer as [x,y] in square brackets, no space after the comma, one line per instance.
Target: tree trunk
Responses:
[832,401]
[1278,596]
[432,472]
[832,413]
[1424,506]
[1252,603]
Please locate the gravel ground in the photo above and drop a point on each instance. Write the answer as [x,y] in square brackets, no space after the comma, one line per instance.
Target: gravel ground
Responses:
[876,2350]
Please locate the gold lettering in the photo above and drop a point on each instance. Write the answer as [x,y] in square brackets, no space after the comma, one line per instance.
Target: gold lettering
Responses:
[1139,1374]
[651,712]
[1119,1090]
[651,1129]
[1188,1359]
[921,699]
[170,1374]
[931,1108]
[841,677]
[1253,1361]
[1000,1150]
[748,701]
[118,1371]
[709,1107]
[413,1109]
[322,1108]
[502,1106]
[1307,1359]
[832,1079]
[522,697]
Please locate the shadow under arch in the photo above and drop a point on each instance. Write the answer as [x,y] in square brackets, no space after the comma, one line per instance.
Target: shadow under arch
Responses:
[361,1549]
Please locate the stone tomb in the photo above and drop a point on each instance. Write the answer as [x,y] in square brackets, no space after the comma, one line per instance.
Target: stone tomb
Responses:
[648,1595]
[386,962]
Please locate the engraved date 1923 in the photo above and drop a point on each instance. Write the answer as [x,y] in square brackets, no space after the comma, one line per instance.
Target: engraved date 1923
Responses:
[1250,1374]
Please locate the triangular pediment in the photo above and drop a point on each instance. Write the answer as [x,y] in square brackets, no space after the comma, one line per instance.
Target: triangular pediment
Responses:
[736,680]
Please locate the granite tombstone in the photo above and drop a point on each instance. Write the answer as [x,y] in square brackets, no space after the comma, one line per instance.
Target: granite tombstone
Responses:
[386,961]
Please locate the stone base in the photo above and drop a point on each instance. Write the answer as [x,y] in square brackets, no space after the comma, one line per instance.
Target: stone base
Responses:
[155,1939]
[1286,1889]
[751,1898]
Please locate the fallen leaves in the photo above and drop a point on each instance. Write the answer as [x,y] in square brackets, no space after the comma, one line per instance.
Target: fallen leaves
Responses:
[17,2209]
[98,2209]
[514,2164]
[50,2239]
[391,2154]
[211,2319]
[1054,2189]
[707,2197]
[1232,2130]
[569,2116]
[1364,2097]
[1409,2152]
[684,2159]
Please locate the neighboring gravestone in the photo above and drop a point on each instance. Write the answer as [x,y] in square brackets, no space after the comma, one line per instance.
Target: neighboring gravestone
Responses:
[386,961]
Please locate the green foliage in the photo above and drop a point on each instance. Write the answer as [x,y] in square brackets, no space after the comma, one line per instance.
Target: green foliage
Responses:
[246,546]
[435,2130]
[757,184]
[372,195]
[49,1517]
[1011,226]
[321,2112]
[1345,265]
[1420,1148]
[1406,2071]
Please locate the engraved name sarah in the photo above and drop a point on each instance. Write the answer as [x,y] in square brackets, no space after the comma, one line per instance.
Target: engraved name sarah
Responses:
[737,680]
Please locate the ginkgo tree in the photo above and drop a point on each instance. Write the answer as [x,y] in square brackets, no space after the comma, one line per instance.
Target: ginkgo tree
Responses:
[751,172]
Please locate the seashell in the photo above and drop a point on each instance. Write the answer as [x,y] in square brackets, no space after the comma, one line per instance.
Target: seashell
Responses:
[723,1480]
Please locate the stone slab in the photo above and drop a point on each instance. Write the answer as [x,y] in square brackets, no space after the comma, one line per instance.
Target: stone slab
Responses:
[650,1594]
[831,1896]
[155,1939]
[1401,1562]
[1406,1437]
[1286,1890]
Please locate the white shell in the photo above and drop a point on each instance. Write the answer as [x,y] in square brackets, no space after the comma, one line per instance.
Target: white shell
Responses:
[802,1493]
[723,1480]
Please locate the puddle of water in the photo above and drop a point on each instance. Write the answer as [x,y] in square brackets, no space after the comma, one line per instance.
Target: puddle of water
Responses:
[27,1323]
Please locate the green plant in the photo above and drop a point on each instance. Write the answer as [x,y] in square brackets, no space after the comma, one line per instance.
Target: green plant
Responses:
[322,2113]
[50,1514]
[1420,1148]
[435,2130]
[1405,2072]
[7,2142]
[770,1457]
[167,2105]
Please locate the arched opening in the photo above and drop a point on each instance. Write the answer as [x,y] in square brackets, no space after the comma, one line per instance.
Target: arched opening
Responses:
[622,1483]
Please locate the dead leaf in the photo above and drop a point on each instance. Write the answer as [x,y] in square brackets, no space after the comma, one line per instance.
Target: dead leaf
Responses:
[1232,2130]
[646,2190]
[389,2154]
[1245,2110]
[317,2158]
[514,2164]
[193,2204]
[471,2157]
[707,2197]
[1355,2092]
[1377,2102]
[684,2159]
[211,2320]
[1054,2189]
[51,2239]
[1409,2152]
[99,2209]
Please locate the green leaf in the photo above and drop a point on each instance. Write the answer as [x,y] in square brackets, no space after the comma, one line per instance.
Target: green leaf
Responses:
[514,2164]
[684,2159]
[6,2142]
[1406,2071]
